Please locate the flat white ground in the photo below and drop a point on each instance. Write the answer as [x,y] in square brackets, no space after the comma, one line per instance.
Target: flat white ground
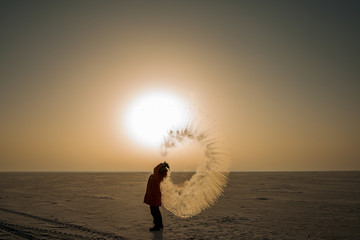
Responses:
[283,205]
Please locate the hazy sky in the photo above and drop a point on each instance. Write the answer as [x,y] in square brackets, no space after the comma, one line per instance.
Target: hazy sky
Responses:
[280,79]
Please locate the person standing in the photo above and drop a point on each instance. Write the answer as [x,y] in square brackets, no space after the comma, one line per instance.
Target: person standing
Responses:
[153,194]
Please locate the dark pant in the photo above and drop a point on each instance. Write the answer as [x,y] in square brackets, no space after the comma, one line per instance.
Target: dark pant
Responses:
[155,212]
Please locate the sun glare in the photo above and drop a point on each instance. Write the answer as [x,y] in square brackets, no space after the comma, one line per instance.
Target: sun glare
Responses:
[151,115]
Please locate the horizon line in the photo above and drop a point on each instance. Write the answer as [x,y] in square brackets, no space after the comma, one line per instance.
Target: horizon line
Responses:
[145,171]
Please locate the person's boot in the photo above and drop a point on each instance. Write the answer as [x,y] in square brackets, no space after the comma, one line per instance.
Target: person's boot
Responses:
[155,228]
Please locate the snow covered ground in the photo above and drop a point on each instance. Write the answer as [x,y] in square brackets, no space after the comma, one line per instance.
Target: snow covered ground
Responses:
[269,205]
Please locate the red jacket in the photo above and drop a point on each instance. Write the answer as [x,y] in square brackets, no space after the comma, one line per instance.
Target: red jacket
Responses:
[153,193]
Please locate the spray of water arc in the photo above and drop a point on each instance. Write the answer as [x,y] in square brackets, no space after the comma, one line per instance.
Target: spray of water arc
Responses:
[203,189]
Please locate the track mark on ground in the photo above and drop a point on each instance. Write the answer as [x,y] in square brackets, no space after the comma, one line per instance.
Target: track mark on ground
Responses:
[54,229]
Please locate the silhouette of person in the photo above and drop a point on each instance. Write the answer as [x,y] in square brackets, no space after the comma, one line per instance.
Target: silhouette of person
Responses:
[153,194]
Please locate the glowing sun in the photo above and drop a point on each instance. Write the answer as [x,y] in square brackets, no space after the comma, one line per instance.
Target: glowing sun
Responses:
[151,115]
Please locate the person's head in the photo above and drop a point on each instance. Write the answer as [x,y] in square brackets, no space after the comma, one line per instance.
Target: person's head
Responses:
[164,169]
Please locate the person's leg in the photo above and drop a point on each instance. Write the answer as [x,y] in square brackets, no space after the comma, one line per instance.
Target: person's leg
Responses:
[155,212]
[159,218]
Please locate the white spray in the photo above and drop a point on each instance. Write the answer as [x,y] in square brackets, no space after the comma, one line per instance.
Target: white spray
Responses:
[204,188]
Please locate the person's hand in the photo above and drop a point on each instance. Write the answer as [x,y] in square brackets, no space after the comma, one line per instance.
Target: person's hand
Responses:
[165,165]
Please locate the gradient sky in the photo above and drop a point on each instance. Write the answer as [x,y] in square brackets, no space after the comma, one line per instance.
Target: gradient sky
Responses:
[279,78]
